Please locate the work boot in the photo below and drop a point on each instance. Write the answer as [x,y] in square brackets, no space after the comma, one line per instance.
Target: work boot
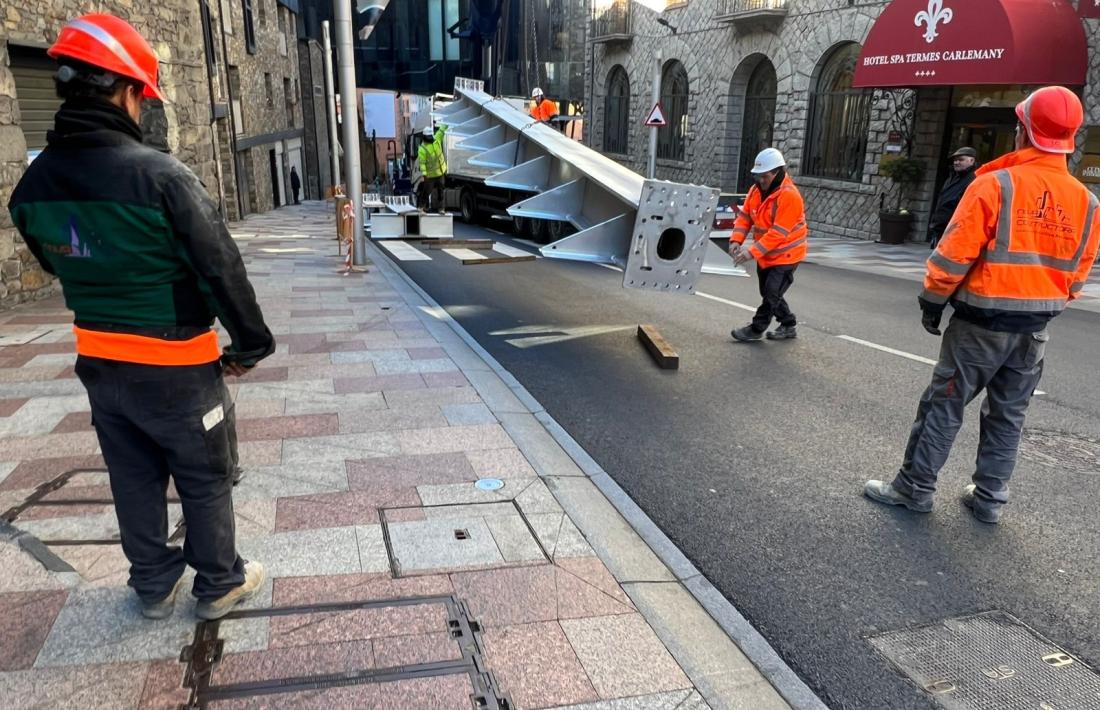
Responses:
[238,474]
[746,334]
[885,493]
[783,332]
[162,609]
[217,608]
[985,513]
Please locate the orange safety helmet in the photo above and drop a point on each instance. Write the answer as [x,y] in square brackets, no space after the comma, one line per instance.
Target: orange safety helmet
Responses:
[110,43]
[1051,115]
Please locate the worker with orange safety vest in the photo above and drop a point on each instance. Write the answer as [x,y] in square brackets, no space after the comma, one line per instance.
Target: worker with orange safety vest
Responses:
[542,109]
[146,263]
[776,217]
[1018,249]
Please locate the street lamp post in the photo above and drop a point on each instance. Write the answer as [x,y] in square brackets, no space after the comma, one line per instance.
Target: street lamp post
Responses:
[330,99]
[349,109]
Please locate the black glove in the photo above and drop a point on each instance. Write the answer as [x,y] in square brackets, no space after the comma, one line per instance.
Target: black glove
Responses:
[931,322]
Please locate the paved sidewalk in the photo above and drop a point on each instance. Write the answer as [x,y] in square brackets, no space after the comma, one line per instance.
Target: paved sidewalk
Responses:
[428,539]
[906,261]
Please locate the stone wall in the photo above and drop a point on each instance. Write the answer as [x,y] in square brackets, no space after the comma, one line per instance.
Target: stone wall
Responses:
[186,117]
[316,163]
[719,59]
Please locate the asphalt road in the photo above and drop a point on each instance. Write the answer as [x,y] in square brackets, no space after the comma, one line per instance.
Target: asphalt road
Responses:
[752,457]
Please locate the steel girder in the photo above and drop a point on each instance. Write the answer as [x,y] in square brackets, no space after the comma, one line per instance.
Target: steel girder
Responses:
[656,231]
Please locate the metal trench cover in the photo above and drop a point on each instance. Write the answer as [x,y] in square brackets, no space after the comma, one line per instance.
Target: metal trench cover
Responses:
[990,661]
[405,652]
[459,537]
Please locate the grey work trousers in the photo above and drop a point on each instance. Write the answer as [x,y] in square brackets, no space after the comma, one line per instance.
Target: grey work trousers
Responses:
[154,422]
[1008,367]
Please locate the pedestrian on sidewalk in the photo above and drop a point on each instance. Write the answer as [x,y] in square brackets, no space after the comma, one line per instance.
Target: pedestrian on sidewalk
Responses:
[295,183]
[433,166]
[964,162]
[1019,249]
[776,216]
[145,263]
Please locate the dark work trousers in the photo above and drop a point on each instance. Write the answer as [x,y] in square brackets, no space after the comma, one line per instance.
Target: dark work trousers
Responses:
[154,422]
[774,282]
[1008,367]
[433,193]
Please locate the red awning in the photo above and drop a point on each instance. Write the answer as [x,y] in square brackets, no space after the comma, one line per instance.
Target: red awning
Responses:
[945,42]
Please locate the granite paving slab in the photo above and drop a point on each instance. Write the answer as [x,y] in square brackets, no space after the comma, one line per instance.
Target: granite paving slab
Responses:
[304,552]
[80,687]
[25,621]
[536,666]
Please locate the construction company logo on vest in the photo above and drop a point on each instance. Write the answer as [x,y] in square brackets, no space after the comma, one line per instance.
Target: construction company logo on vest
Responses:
[74,249]
[1047,216]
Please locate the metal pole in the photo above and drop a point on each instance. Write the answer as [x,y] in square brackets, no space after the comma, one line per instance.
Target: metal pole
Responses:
[349,113]
[652,173]
[330,99]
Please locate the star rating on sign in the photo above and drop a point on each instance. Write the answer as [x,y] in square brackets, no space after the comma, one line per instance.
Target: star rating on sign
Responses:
[932,72]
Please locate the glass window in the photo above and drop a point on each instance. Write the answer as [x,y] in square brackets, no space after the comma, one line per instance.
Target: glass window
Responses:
[672,138]
[249,27]
[759,120]
[836,145]
[616,112]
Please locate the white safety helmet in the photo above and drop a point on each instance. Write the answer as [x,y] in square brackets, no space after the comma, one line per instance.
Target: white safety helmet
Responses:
[536,92]
[428,131]
[767,160]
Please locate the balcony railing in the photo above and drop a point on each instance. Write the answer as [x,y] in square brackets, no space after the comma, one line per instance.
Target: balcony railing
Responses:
[747,13]
[611,20]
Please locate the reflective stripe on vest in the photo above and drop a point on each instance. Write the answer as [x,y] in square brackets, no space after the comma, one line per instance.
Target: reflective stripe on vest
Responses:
[143,350]
[1000,253]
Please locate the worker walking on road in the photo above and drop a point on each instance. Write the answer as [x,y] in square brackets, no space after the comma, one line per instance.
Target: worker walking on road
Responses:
[1019,247]
[145,263]
[542,109]
[775,215]
[433,166]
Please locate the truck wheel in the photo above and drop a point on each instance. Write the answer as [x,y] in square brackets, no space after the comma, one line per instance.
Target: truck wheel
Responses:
[539,231]
[556,230]
[467,204]
[520,227]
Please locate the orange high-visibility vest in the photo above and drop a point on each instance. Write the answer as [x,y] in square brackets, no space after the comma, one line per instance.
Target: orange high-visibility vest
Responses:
[1021,241]
[777,223]
[544,111]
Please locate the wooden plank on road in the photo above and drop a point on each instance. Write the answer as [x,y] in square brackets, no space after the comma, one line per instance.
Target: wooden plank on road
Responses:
[467,243]
[498,260]
[663,353]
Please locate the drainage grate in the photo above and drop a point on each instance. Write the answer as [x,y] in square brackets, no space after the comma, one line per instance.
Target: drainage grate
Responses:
[1070,452]
[39,498]
[203,656]
[991,661]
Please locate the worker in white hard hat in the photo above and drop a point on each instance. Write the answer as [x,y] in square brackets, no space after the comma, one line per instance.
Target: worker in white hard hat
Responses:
[776,216]
[433,166]
[542,108]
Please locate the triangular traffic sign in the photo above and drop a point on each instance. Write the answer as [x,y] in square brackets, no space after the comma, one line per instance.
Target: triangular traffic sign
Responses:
[656,116]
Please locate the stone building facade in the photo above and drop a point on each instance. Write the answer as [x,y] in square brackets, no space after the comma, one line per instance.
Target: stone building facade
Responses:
[719,46]
[230,72]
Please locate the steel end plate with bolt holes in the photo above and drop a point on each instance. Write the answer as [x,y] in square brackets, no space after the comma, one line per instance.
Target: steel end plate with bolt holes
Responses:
[671,236]
[990,661]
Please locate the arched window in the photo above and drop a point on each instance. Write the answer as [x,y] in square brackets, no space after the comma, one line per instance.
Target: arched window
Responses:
[836,139]
[671,139]
[758,125]
[616,112]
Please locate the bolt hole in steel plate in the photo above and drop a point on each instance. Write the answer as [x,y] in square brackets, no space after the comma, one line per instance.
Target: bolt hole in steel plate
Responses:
[990,661]
[1068,452]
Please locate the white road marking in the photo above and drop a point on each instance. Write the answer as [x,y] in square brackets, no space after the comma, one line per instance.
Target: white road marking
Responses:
[461,254]
[901,353]
[555,334]
[735,304]
[404,252]
[511,251]
[892,351]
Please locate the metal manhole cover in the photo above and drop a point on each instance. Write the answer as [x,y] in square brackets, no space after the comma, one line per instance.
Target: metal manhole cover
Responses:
[991,661]
[489,484]
[1069,452]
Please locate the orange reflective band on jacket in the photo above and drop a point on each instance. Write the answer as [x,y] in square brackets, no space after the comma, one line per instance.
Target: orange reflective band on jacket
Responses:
[1022,240]
[777,224]
[143,350]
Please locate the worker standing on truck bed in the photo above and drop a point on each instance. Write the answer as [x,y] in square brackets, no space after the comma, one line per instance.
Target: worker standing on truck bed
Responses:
[433,166]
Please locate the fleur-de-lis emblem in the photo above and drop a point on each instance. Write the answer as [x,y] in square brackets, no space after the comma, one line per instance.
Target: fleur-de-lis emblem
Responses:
[932,17]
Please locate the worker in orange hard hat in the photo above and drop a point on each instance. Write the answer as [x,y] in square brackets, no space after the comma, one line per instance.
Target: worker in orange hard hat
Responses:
[1018,249]
[542,108]
[146,263]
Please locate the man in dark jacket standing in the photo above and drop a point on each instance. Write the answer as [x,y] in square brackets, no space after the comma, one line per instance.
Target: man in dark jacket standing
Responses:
[146,263]
[295,183]
[964,162]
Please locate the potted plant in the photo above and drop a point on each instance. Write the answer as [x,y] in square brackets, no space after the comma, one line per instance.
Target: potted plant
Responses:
[896,223]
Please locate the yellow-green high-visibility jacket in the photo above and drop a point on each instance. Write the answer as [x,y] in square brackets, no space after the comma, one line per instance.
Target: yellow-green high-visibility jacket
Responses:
[433,163]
